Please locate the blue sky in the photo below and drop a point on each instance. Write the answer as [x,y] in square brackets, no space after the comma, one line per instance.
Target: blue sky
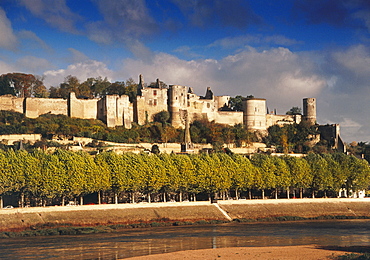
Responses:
[281,50]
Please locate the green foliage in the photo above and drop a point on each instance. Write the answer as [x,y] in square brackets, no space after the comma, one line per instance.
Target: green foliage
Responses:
[162,117]
[236,103]
[295,111]
[66,174]
[291,137]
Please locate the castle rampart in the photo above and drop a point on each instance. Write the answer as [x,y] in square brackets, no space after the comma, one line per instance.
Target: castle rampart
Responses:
[117,110]
[34,107]
[82,108]
[11,103]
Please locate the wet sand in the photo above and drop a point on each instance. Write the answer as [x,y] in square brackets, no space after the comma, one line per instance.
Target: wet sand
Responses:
[307,252]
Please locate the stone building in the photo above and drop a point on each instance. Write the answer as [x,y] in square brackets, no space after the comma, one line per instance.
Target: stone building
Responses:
[115,110]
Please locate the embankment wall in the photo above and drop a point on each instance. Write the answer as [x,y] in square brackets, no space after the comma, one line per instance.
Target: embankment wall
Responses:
[90,215]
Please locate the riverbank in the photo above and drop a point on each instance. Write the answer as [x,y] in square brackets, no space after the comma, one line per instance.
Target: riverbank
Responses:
[308,252]
[19,219]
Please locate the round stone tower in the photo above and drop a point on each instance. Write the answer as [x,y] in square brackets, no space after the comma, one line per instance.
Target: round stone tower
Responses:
[177,102]
[254,116]
[309,110]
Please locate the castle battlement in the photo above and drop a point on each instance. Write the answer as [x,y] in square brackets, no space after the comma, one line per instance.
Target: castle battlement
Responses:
[115,110]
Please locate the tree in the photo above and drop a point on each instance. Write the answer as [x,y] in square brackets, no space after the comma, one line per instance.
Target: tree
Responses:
[188,178]
[266,172]
[70,84]
[243,179]
[21,85]
[97,86]
[300,171]
[52,177]
[75,179]
[173,176]
[162,117]
[283,175]
[5,176]
[322,179]
[131,89]
[294,111]
[153,174]
[116,88]
[236,103]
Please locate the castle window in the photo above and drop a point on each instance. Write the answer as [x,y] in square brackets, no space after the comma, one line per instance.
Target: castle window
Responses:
[155,102]
[154,92]
[188,104]
[208,105]
[150,102]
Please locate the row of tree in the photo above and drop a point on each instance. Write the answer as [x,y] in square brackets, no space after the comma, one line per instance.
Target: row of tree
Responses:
[39,178]
[29,85]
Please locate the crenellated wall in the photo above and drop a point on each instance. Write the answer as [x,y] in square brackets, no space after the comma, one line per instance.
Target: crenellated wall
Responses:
[11,103]
[115,110]
[82,108]
[39,106]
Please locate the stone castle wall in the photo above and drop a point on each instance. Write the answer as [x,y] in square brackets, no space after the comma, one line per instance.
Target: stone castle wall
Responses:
[82,108]
[178,100]
[11,103]
[34,107]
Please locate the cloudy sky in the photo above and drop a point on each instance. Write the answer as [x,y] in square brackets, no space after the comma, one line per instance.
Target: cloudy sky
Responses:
[281,50]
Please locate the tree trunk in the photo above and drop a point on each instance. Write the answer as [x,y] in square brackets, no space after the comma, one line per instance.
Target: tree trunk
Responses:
[301,193]
[287,193]
[21,202]
[276,193]
[194,197]
[325,196]
[149,200]
[115,198]
[81,200]
[99,197]
[250,194]
[1,202]
[236,194]
[263,194]
[180,196]
[63,200]
[132,197]
[313,194]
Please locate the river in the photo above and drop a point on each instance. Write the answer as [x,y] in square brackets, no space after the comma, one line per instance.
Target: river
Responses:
[145,241]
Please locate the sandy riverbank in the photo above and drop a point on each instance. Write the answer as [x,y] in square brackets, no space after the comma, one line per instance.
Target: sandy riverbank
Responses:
[306,252]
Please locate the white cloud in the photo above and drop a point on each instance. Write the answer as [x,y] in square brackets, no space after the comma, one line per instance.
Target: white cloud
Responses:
[124,21]
[55,13]
[347,96]
[31,64]
[31,37]
[284,78]
[6,68]
[81,70]
[77,56]
[8,40]
[243,40]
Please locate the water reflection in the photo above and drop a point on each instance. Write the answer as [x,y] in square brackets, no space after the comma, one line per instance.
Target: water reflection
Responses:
[135,242]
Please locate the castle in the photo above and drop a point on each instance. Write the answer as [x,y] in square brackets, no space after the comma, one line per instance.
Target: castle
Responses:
[117,110]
